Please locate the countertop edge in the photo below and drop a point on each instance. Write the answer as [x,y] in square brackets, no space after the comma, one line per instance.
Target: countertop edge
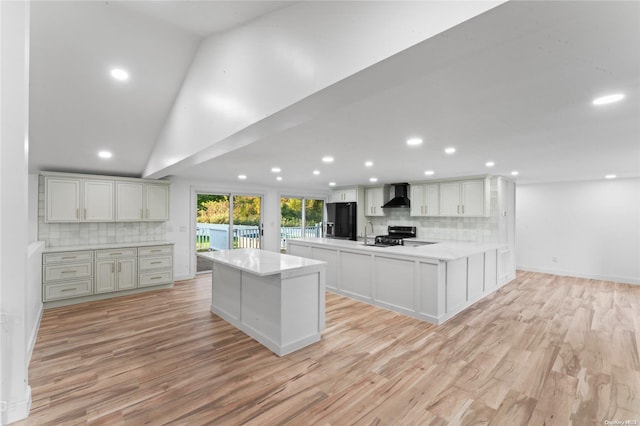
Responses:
[106,246]
[316,264]
[473,248]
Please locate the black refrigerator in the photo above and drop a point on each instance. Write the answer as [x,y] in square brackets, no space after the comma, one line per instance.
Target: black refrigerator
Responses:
[341,221]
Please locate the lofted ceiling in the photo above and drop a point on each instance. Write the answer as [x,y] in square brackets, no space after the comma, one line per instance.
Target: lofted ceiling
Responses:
[513,86]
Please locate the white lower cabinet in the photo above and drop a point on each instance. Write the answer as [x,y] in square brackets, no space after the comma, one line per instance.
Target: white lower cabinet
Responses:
[355,274]
[331,257]
[116,275]
[429,279]
[155,264]
[429,289]
[68,275]
[394,282]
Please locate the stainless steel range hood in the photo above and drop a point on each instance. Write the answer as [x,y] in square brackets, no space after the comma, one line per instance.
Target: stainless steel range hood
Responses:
[400,199]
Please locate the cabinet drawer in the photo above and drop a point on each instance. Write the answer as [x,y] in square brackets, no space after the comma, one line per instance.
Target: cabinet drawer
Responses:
[154,250]
[68,256]
[68,271]
[147,263]
[155,278]
[67,290]
[110,254]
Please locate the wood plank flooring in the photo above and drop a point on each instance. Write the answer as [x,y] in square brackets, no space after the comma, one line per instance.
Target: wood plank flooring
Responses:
[541,350]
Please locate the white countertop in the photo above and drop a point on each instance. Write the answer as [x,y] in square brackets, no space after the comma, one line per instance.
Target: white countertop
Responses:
[260,262]
[442,250]
[106,246]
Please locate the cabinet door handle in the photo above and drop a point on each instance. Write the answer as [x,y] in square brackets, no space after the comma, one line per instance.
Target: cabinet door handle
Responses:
[68,289]
[426,209]
[112,268]
[73,271]
[85,213]
[115,254]
[119,267]
[462,209]
[155,278]
[155,263]
[155,250]
[68,257]
[77,213]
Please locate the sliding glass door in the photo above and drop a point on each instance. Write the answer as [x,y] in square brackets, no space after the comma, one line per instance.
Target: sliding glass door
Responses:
[226,221]
[300,218]
[246,230]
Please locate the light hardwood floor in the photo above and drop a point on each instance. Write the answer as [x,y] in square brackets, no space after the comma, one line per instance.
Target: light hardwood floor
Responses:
[542,350]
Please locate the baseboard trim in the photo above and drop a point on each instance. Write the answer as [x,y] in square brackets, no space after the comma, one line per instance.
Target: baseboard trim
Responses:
[19,410]
[615,279]
[183,277]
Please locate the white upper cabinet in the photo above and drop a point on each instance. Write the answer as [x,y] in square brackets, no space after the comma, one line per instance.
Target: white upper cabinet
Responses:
[98,201]
[344,195]
[464,198]
[62,197]
[82,198]
[142,201]
[374,199]
[474,199]
[425,199]
[129,201]
[156,202]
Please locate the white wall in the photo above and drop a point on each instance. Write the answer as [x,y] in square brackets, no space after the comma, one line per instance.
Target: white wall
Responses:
[181,228]
[592,229]
[14,227]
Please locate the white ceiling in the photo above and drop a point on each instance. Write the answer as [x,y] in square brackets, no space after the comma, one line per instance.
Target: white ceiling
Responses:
[513,86]
[77,109]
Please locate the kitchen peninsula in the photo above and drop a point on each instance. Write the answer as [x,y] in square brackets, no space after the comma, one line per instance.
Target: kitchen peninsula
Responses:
[277,299]
[431,282]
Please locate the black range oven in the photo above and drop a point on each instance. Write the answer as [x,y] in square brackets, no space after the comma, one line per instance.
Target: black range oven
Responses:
[396,236]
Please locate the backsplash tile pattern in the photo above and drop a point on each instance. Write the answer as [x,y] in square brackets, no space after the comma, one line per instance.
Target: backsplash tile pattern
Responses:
[476,229]
[73,234]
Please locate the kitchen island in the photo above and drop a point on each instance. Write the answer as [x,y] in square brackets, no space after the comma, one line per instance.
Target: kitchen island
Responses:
[277,299]
[431,282]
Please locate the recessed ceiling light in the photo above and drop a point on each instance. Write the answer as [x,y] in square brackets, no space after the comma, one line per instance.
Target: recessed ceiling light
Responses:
[316,172]
[327,159]
[119,74]
[368,163]
[603,100]
[242,177]
[105,154]
[610,176]
[429,172]
[489,164]
[514,173]
[450,150]
[332,184]
[414,141]
[279,178]
[373,179]
[276,169]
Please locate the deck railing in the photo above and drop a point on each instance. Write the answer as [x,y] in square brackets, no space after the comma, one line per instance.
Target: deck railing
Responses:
[216,236]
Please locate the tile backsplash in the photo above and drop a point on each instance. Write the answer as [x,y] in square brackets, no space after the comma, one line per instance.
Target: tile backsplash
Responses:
[477,229]
[72,234]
